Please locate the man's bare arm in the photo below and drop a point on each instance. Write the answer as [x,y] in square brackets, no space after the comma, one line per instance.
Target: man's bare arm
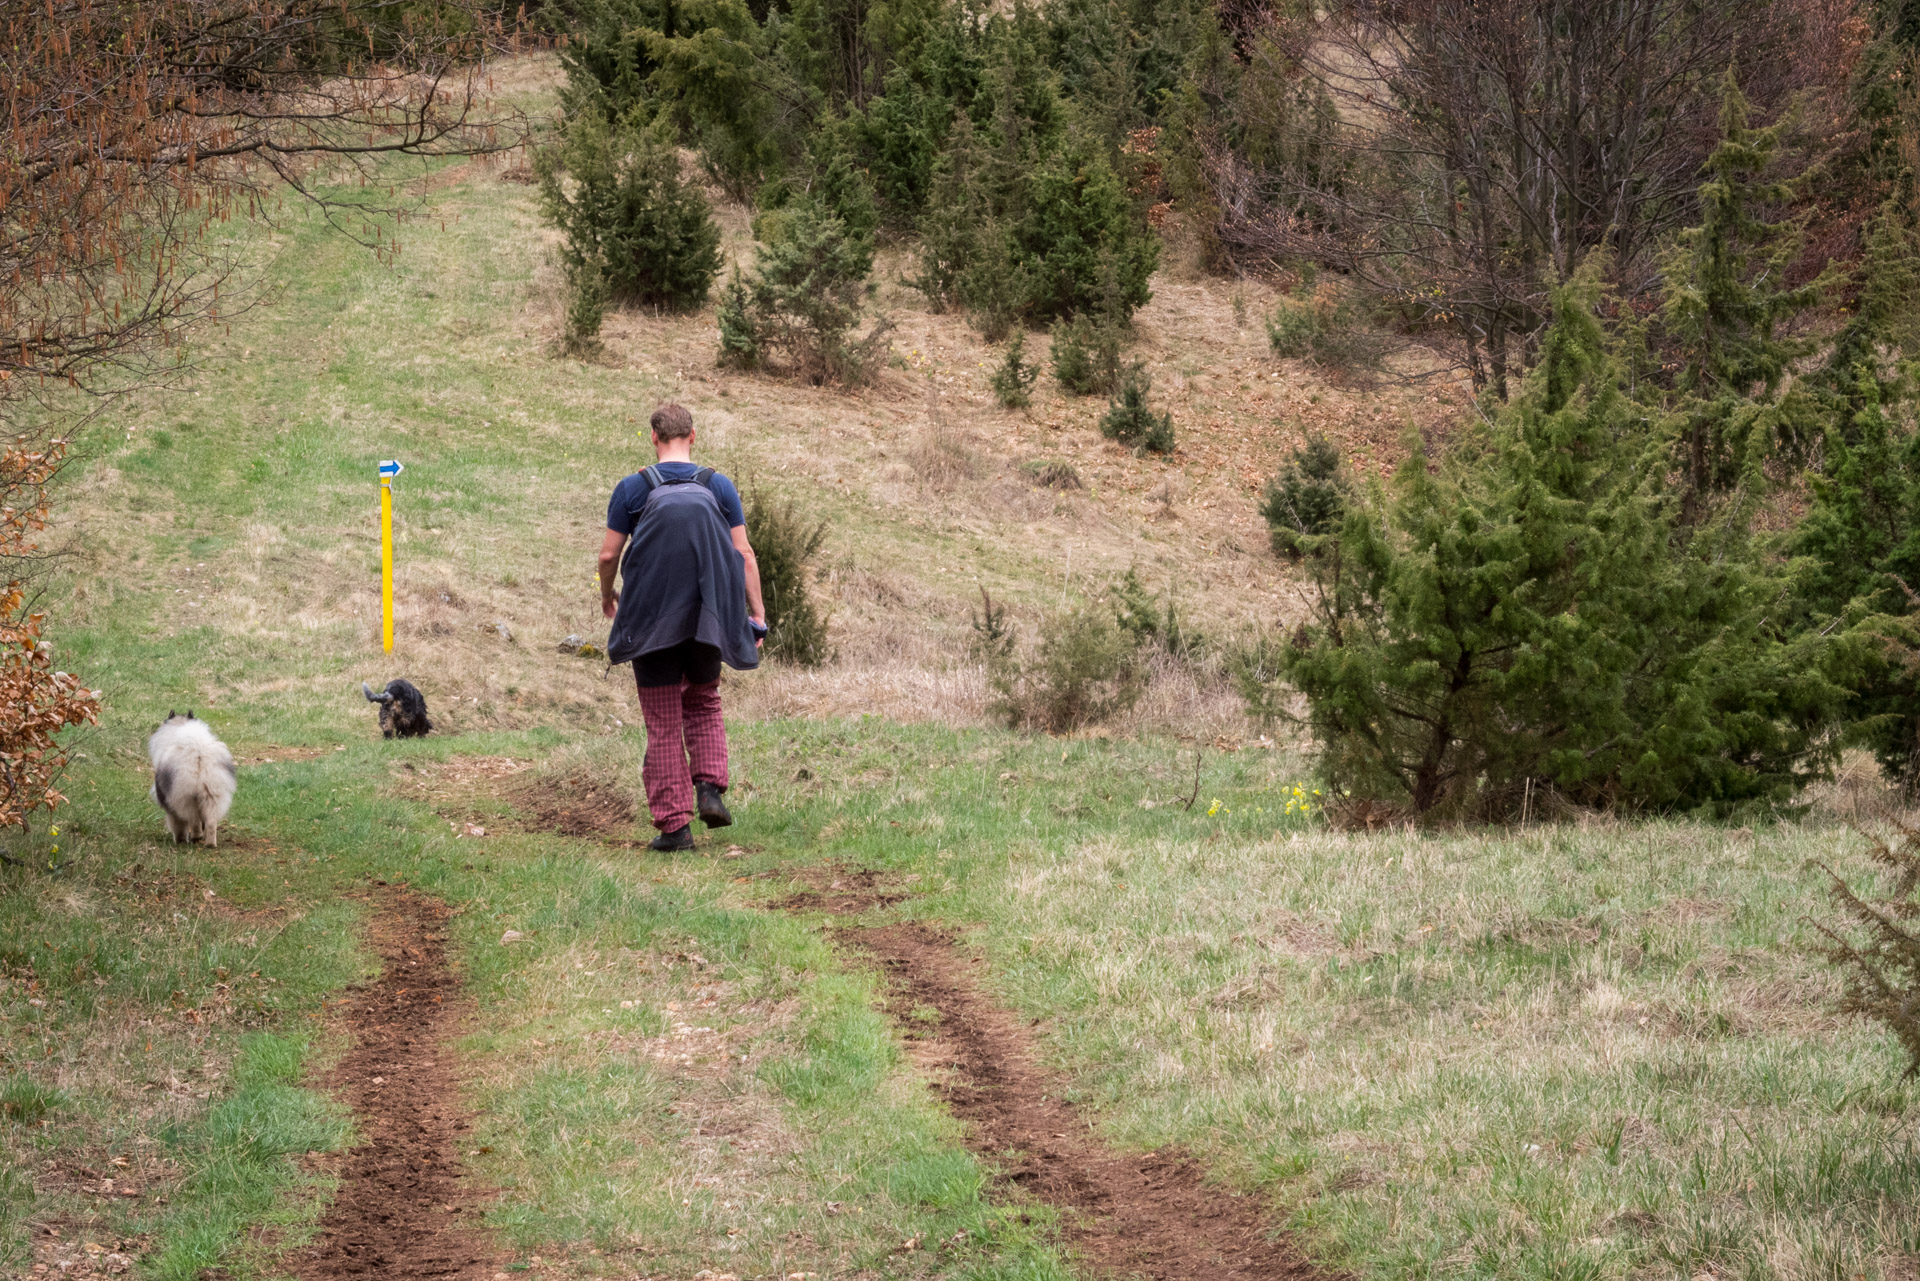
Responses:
[755,606]
[610,548]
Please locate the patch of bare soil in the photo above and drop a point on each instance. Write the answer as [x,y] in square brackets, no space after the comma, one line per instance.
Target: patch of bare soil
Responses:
[396,1214]
[840,891]
[575,804]
[1147,1214]
[275,754]
[457,777]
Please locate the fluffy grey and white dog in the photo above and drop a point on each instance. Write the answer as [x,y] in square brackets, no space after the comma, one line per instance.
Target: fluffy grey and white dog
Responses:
[193,777]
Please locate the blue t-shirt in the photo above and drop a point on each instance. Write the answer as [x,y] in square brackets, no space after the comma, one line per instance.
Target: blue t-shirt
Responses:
[630,495]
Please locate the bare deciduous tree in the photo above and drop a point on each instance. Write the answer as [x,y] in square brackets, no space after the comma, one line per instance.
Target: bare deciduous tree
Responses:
[1461,156]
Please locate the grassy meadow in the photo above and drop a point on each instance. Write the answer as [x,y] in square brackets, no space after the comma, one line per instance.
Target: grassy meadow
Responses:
[1576,1049]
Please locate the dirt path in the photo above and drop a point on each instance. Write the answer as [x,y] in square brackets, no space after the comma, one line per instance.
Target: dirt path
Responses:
[1145,1214]
[395,1216]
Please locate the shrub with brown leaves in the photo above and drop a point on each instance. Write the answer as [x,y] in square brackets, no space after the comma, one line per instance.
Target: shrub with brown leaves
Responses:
[36,702]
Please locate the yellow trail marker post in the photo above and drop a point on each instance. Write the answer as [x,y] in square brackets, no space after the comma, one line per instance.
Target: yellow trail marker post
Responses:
[388,470]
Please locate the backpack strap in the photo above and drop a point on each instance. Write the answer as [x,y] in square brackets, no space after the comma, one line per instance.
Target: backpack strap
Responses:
[655,479]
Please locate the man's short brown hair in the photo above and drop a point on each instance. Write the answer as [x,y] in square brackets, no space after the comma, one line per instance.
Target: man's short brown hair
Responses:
[672,422]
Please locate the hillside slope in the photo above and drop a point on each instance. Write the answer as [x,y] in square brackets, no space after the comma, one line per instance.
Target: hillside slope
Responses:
[447,359]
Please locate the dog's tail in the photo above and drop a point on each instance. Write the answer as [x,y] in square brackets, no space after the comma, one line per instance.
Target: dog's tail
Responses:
[382,697]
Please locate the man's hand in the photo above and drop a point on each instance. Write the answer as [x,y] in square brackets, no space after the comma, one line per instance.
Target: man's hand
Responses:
[609,566]
[759,629]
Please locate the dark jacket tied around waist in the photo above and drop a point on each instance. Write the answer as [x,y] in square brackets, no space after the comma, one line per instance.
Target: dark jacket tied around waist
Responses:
[682,579]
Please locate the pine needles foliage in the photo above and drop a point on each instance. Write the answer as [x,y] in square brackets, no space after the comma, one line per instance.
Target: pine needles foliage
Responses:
[900,134]
[739,343]
[1305,502]
[993,640]
[1725,313]
[842,188]
[1027,218]
[1153,622]
[586,308]
[1860,538]
[614,191]
[1085,354]
[1079,240]
[951,231]
[1087,669]
[798,308]
[785,543]
[1532,612]
[1131,420]
[1014,377]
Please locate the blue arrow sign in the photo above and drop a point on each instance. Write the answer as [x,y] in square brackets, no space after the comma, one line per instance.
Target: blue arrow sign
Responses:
[389,469]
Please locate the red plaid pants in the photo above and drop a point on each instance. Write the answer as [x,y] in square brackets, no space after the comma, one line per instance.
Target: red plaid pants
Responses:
[686,743]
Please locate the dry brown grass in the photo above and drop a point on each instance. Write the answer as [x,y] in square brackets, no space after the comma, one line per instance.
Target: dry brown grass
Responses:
[1860,795]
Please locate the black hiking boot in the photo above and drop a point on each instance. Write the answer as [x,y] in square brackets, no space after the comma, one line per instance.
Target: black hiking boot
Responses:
[673,842]
[713,810]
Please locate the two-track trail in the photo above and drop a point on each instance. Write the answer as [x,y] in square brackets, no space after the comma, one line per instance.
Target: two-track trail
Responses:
[402,1210]
[1142,1214]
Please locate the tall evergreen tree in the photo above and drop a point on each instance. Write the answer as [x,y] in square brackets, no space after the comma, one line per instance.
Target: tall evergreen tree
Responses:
[901,135]
[1122,60]
[715,80]
[1305,502]
[957,221]
[608,56]
[840,187]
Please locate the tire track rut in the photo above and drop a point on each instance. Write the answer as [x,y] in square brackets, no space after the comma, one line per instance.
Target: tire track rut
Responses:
[1149,1214]
[397,1214]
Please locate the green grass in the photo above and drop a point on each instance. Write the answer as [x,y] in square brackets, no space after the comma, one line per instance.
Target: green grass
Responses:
[1605,1051]
[1571,1051]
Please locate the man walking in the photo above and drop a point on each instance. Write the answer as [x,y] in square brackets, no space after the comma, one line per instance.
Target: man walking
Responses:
[689,600]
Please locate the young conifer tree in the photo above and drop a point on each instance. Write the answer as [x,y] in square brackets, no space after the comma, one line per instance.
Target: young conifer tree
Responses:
[1080,242]
[1132,421]
[786,543]
[1881,971]
[1305,502]
[1528,614]
[842,189]
[800,304]
[902,132]
[956,222]
[1013,379]
[649,235]
[1726,302]
[739,342]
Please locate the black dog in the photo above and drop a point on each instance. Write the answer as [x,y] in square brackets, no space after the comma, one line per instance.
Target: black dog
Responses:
[403,710]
